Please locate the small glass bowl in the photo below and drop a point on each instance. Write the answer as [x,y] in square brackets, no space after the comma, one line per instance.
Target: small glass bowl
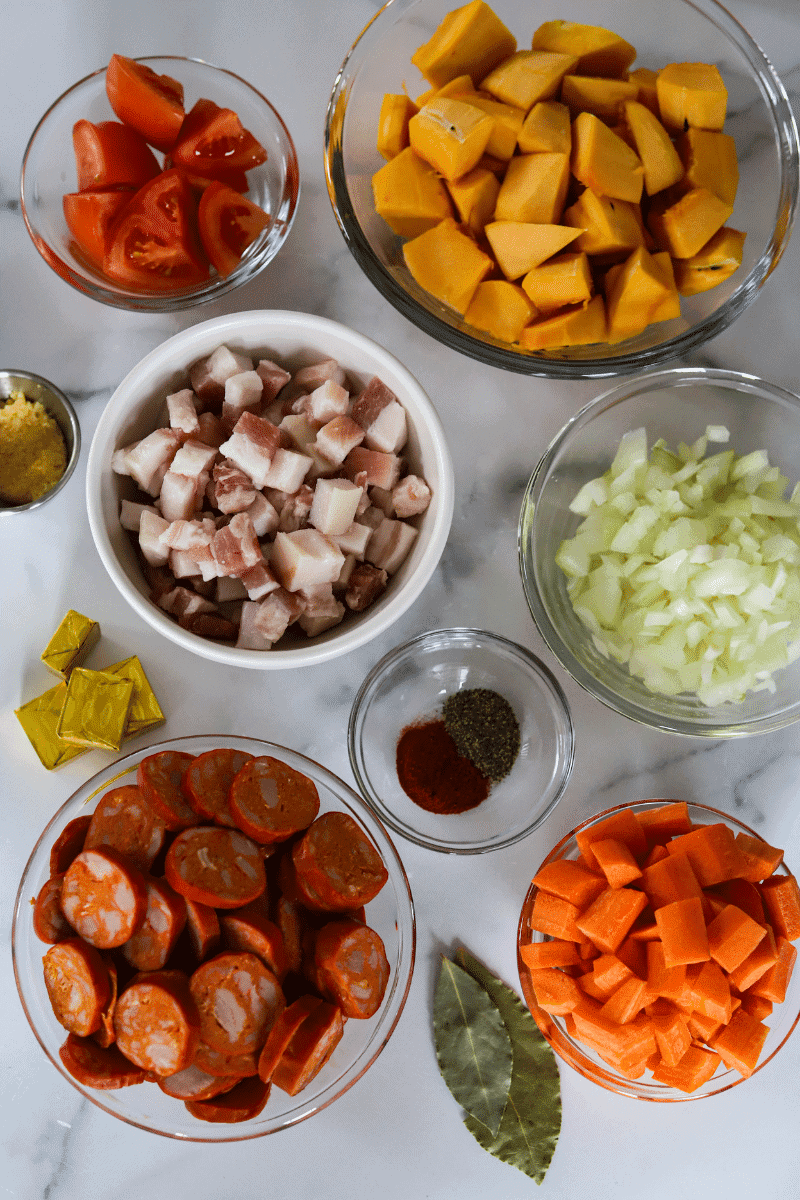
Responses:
[48,172]
[391,914]
[781,1021]
[410,684]
[663,31]
[676,405]
[57,406]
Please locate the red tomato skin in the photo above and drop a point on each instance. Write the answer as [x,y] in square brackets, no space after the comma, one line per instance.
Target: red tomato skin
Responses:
[151,104]
[154,246]
[212,143]
[234,179]
[110,153]
[228,223]
[91,214]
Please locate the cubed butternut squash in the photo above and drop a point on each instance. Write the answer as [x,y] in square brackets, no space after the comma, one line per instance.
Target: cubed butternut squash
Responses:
[645,80]
[609,227]
[450,135]
[396,112]
[670,307]
[528,76]
[520,246]
[709,161]
[660,162]
[475,196]
[691,94]
[598,50]
[683,228]
[580,326]
[534,188]
[447,263]
[603,97]
[716,261]
[632,295]
[561,281]
[603,162]
[547,127]
[500,308]
[409,195]
[507,125]
[470,40]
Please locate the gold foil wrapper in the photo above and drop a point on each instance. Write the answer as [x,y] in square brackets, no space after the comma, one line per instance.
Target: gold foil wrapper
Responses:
[96,708]
[145,710]
[71,643]
[39,718]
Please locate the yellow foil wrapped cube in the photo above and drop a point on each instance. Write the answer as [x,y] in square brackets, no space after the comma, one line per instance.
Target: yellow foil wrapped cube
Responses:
[96,708]
[470,40]
[71,643]
[447,263]
[501,309]
[39,718]
[450,134]
[145,711]
[409,195]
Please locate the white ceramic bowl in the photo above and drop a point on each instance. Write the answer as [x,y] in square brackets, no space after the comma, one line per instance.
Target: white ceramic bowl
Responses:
[295,340]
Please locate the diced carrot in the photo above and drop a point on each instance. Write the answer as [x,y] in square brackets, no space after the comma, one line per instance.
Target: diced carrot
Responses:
[621,825]
[634,954]
[609,972]
[695,1068]
[588,985]
[656,854]
[756,964]
[555,992]
[683,932]
[702,1027]
[635,1072]
[554,916]
[739,1043]
[608,918]
[758,1006]
[669,880]
[557,953]
[645,930]
[587,951]
[732,936]
[773,983]
[663,980]
[570,881]
[712,851]
[712,906]
[712,994]
[661,824]
[781,897]
[671,1032]
[626,1001]
[744,895]
[760,859]
[616,1042]
[616,862]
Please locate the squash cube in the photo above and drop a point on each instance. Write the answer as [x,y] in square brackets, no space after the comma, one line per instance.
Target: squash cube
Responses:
[609,226]
[660,162]
[684,227]
[579,326]
[547,127]
[528,76]
[470,40]
[602,161]
[475,196]
[645,80]
[603,97]
[598,50]
[519,246]
[447,263]
[450,134]
[409,195]
[670,307]
[534,189]
[396,111]
[715,262]
[501,309]
[632,295]
[709,161]
[507,125]
[563,280]
[691,94]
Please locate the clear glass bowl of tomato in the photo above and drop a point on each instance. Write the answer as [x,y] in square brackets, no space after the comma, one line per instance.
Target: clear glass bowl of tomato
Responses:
[52,169]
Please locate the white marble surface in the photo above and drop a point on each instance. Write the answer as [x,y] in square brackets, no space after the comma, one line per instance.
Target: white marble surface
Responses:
[397,1133]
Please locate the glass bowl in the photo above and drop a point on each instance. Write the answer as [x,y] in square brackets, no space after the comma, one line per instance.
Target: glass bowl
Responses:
[781,1021]
[676,405]
[391,913]
[57,406]
[48,171]
[759,115]
[410,684]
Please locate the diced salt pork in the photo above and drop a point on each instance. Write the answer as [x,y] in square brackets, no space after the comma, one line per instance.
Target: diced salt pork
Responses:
[365,502]
[235,547]
[178,496]
[321,616]
[390,544]
[228,588]
[211,430]
[276,613]
[182,565]
[193,458]
[382,470]
[159,580]
[305,558]
[314,376]
[233,490]
[151,526]
[287,470]
[298,430]
[259,581]
[273,378]
[263,515]
[382,417]
[411,496]
[371,516]
[337,438]
[295,511]
[334,507]
[242,394]
[326,402]
[350,562]
[149,460]
[382,499]
[181,601]
[231,610]
[209,625]
[250,636]
[204,587]
[119,459]
[130,514]
[276,498]
[365,585]
[354,540]
[208,377]
[252,446]
[193,537]
[182,412]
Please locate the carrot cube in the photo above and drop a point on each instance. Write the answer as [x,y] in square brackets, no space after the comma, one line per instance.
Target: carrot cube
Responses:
[556,917]
[712,851]
[634,954]
[610,972]
[663,980]
[607,920]
[781,897]
[669,880]
[570,881]
[622,825]
[668,821]
[589,986]
[695,1068]
[744,895]
[645,931]
[760,859]
[710,990]
[557,953]
[671,1033]
[683,932]
[757,1006]
[626,1002]
[732,936]
[701,1027]
[555,992]
[739,1043]
[756,964]
[656,854]
[773,983]
[616,862]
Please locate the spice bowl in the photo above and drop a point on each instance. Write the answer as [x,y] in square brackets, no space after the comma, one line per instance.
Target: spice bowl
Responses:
[409,688]
[37,389]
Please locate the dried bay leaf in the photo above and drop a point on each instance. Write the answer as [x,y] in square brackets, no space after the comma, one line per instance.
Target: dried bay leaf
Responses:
[531,1121]
[473,1047]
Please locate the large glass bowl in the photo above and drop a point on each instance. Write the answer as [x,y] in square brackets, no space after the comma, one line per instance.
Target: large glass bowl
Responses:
[759,118]
[781,1021]
[676,405]
[48,171]
[391,914]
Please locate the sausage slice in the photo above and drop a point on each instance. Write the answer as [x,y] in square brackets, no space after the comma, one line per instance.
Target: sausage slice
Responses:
[103,897]
[125,821]
[49,923]
[207,782]
[351,967]
[156,1022]
[68,844]
[336,866]
[98,1066]
[270,801]
[78,985]
[244,1102]
[309,1049]
[238,1000]
[159,777]
[218,867]
[149,948]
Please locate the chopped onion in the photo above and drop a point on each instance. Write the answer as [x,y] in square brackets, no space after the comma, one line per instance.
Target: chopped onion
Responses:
[687,568]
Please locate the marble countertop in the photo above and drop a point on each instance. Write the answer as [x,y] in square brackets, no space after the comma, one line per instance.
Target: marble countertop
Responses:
[397,1133]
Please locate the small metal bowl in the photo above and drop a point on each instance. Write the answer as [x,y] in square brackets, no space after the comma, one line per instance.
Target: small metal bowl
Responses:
[34,387]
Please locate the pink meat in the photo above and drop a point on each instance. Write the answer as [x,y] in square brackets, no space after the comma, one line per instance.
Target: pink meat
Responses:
[252,446]
[337,438]
[382,470]
[410,496]
[183,413]
[233,490]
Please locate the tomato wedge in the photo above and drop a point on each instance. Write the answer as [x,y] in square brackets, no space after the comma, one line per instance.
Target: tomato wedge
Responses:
[212,143]
[228,223]
[90,215]
[150,103]
[110,153]
[154,246]
[234,179]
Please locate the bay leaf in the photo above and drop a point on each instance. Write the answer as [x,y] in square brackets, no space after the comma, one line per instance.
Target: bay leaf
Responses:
[531,1122]
[473,1047]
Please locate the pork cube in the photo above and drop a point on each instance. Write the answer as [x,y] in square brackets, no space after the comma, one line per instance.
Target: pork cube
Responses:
[182,565]
[337,438]
[151,526]
[354,540]
[324,615]
[382,417]
[130,514]
[365,585]
[235,547]
[178,496]
[209,376]
[259,581]
[341,583]
[371,516]
[242,394]
[273,379]
[228,588]
[193,458]
[334,507]
[119,459]
[210,625]
[204,587]
[211,430]
[287,470]
[250,636]
[181,601]
[327,401]
[159,579]
[192,537]
[410,496]
[382,470]
[297,429]
[305,558]
[309,378]
[296,509]
[149,460]
[263,515]
[390,543]
[276,613]
[252,446]
[233,490]
[382,499]
[182,412]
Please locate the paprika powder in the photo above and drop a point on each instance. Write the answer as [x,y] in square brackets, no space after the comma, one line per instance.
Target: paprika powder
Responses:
[433,774]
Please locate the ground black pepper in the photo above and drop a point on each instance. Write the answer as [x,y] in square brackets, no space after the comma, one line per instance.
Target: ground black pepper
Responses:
[484,728]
